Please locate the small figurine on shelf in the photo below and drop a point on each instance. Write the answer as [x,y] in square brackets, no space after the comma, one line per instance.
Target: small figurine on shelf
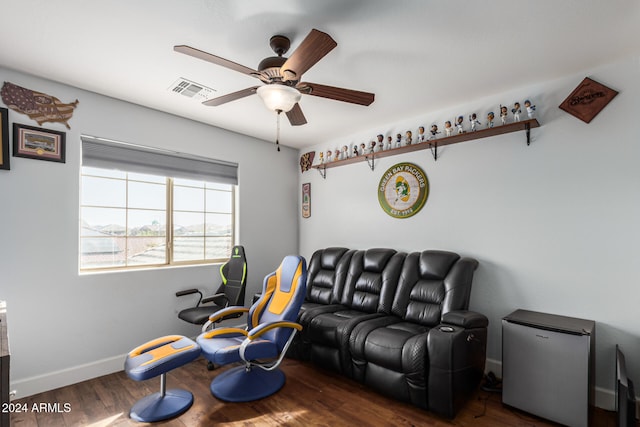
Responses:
[380,142]
[503,114]
[389,141]
[409,137]
[355,150]
[516,112]
[398,140]
[372,146]
[363,148]
[460,124]
[345,153]
[530,108]
[433,131]
[329,158]
[473,119]
[336,155]
[490,117]
[321,159]
[448,128]
[421,136]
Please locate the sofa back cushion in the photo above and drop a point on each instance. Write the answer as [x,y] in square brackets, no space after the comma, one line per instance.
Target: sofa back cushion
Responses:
[433,283]
[372,280]
[326,275]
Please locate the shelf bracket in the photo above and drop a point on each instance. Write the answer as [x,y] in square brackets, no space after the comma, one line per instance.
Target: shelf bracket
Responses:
[371,161]
[527,128]
[434,150]
[323,171]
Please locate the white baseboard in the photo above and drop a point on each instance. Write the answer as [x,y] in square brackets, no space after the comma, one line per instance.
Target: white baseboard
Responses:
[604,398]
[495,366]
[41,383]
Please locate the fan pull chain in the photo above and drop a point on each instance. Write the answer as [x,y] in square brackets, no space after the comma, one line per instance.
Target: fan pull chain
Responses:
[278,129]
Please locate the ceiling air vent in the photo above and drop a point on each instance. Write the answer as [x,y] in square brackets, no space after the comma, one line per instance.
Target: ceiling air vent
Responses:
[191,89]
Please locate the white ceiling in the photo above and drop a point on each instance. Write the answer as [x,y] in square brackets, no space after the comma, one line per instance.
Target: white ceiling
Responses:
[415,55]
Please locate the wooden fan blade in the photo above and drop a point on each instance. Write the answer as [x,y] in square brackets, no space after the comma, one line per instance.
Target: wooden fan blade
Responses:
[230,97]
[296,116]
[196,53]
[315,46]
[337,93]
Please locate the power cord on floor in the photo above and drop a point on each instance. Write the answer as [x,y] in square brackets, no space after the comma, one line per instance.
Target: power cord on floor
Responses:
[491,384]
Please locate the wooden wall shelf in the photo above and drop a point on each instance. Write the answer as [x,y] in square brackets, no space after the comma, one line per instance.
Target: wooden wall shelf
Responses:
[524,125]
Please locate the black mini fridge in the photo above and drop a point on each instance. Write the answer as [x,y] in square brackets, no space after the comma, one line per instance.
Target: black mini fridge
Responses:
[548,366]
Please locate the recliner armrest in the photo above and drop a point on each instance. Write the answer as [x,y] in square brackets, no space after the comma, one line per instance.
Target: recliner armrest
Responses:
[456,356]
[224,332]
[264,327]
[465,319]
[248,353]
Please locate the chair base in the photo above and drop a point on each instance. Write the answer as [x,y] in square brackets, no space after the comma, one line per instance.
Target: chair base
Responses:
[158,407]
[239,385]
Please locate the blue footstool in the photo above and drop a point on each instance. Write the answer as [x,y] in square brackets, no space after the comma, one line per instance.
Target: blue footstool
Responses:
[157,357]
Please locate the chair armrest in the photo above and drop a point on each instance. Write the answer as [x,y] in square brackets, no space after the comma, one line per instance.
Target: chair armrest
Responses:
[188,292]
[224,332]
[219,299]
[264,327]
[249,354]
[465,319]
[456,355]
[226,312]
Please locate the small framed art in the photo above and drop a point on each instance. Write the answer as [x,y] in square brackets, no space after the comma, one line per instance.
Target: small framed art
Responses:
[4,138]
[306,200]
[588,99]
[38,143]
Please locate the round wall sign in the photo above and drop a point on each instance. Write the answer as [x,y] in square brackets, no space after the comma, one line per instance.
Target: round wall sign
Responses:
[403,190]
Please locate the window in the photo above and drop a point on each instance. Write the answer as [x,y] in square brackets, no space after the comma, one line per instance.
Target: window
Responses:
[133,219]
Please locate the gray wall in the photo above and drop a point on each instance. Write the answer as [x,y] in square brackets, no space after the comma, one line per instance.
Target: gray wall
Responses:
[555,225]
[65,326]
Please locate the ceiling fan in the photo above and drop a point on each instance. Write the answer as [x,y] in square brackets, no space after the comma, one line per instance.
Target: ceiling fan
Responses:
[281,76]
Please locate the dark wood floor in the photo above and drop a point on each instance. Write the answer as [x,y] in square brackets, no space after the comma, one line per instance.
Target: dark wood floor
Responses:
[310,397]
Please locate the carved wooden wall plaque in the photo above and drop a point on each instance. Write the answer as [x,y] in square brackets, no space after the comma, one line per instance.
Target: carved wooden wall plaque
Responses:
[588,99]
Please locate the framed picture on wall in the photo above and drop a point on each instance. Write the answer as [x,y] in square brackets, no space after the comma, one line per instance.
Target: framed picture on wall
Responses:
[588,99]
[4,135]
[38,143]
[306,200]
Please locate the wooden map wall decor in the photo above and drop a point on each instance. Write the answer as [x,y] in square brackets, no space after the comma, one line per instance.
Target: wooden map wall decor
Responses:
[38,106]
[588,99]
[306,160]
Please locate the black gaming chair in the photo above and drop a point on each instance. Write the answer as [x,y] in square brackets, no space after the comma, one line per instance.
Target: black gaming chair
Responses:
[230,292]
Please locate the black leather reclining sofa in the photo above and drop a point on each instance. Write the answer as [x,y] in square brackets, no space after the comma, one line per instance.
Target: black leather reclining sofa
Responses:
[397,322]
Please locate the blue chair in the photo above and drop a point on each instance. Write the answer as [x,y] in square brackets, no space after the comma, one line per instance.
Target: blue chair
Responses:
[271,326]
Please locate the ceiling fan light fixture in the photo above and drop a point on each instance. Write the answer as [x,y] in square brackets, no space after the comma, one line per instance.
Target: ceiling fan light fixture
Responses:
[278,97]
